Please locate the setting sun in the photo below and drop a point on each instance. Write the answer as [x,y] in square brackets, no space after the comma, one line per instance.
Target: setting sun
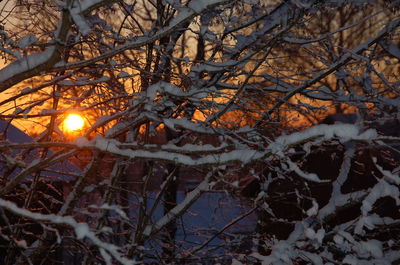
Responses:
[74,122]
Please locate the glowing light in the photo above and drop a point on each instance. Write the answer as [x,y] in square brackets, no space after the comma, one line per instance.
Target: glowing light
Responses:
[74,122]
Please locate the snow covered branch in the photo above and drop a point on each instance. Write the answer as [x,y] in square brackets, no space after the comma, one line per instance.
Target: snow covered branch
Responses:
[81,229]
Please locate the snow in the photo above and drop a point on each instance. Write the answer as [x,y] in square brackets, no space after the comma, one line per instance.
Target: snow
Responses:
[82,230]
[166,88]
[338,239]
[337,198]
[179,209]
[370,222]
[194,148]
[214,66]
[123,75]
[80,21]
[115,208]
[242,155]
[26,63]
[393,49]
[313,210]
[200,5]
[381,189]
[187,148]
[310,233]
[370,248]
[78,9]
[26,41]
[21,243]
[107,258]
[87,5]
[282,254]
[185,14]
[303,3]
[389,176]
[83,82]
[319,236]
[81,142]
[342,131]
[308,176]
[236,262]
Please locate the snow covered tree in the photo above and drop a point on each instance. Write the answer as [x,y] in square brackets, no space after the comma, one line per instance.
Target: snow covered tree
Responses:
[187,99]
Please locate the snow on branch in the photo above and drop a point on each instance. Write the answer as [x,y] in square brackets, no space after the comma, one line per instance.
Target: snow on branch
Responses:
[25,65]
[179,209]
[184,15]
[80,8]
[389,176]
[40,63]
[308,176]
[341,132]
[111,146]
[390,27]
[381,189]
[81,229]
[338,199]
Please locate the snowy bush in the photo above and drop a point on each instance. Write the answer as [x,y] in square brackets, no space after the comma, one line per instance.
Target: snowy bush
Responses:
[208,132]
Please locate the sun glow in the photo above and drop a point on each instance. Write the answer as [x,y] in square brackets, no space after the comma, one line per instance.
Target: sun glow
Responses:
[74,122]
